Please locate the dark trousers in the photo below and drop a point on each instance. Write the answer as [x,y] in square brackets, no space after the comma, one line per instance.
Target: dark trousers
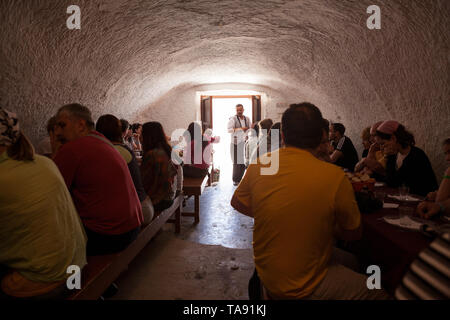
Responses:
[237,156]
[101,244]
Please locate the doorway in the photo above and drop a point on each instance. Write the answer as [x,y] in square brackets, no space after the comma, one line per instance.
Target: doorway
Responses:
[216,112]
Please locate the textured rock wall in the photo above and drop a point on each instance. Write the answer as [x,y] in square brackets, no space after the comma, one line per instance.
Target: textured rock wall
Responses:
[140,59]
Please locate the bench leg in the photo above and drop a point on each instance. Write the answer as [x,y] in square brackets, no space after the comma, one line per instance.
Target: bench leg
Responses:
[197,209]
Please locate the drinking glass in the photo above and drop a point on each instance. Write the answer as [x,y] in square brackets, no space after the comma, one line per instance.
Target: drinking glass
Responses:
[405,211]
[380,195]
[404,191]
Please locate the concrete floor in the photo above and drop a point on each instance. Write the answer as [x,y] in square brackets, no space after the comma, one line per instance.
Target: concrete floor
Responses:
[210,260]
[219,223]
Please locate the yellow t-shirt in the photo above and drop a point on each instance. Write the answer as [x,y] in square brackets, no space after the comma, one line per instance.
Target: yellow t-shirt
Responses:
[295,213]
[41,233]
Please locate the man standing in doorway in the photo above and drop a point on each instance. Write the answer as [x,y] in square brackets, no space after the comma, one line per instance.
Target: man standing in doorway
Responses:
[238,126]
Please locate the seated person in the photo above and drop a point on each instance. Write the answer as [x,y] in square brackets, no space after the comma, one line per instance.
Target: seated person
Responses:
[110,127]
[126,133]
[344,154]
[276,130]
[46,146]
[136,132]
[374,163]
[297,212]
[99,181]
[365,137]
[438,201]
[324,149]
[264,139]
[251,144]
[158,171]
[197,153]
[406,164]
[40,231]
[427,276]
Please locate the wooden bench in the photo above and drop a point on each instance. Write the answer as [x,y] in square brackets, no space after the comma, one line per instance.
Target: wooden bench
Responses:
[194,187]
[102,271]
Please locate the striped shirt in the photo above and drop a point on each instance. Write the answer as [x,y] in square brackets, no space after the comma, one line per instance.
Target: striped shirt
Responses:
[428,277]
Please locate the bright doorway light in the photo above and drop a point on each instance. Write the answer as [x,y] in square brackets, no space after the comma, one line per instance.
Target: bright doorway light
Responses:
[223,109]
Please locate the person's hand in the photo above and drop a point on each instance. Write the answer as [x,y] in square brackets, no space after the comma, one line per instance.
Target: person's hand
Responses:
[431,196]
[374,148]
[330,148]
[427,209]
[367,171]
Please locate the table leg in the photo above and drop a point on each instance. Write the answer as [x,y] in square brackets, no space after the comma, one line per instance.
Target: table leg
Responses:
[197,209]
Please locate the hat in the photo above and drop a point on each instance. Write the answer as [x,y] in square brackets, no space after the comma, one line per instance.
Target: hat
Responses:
[9,128]
[388,127]
[373,129]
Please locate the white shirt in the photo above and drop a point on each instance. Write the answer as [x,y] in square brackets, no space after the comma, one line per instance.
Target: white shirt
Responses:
[400,158]
[236,122]
[249,148]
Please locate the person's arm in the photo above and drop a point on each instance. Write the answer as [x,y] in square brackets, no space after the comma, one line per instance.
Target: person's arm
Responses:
[428,209]
[322,152]
[335,155]
[374,166]
[133,144]
[348,218]
[230,126]
[360,165]
[241,200]
[444,189]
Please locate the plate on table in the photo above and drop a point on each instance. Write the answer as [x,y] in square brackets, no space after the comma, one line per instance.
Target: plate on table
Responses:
[409,198]
[404,222]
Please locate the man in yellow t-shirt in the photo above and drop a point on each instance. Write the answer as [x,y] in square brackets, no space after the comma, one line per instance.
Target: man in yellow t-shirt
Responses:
[297,212]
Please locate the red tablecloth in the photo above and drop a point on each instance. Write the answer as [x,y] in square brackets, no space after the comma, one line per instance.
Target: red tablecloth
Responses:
[390,247]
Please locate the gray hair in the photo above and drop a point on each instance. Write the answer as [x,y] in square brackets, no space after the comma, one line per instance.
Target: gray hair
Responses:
[78,111]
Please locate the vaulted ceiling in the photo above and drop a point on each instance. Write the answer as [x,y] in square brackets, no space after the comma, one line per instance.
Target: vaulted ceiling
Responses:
[130,53]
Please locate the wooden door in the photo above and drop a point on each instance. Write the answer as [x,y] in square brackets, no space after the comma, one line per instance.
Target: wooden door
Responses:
[256,108]
[206,112]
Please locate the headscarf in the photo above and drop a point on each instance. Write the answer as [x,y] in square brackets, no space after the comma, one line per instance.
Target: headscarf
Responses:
[9,128]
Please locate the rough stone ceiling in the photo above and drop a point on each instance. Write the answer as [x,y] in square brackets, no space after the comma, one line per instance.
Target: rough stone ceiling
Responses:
[129,53]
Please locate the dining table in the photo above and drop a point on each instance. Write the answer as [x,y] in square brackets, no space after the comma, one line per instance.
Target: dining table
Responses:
[393,247]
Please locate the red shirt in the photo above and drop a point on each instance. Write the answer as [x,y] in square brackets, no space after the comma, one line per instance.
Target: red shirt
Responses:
[101,186]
